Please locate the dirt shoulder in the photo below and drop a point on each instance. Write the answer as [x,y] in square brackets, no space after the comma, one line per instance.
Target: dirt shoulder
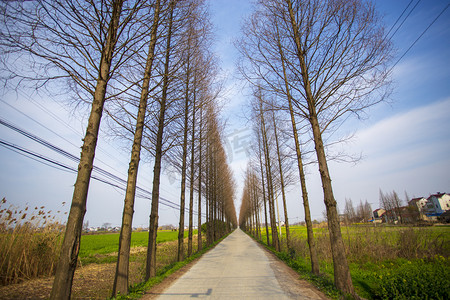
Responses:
[93,281]
[290,281]
[168,281]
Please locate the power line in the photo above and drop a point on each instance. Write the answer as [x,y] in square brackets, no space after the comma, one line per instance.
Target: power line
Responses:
[405,17]
[420,36]
[75,159]
[36,156]
[34,120]
[61,166]
[56,149]
[54,116]
[398,19]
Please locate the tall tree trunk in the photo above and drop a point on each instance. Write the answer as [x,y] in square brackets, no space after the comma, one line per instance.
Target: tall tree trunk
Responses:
[180,255]
[191,188]
[250,213]
[309,229]
[283,194]
[67,262]
[264,193]
[214,205]
[122,268]
[210,228]
[150,269]
[342,278]
[255,201]
[200,169]
[254,210]
[207,203]
[271,197]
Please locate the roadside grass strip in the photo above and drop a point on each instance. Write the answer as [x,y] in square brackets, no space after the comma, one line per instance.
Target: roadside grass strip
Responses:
[385,262]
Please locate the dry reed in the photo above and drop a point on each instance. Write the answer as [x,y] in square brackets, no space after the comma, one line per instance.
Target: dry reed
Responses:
[374,244]
[29,243]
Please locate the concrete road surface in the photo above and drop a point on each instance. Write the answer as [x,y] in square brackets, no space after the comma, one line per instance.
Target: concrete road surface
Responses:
[239,268]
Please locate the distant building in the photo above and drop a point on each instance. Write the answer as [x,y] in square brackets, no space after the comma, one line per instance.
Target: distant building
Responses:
[378,215]
[438,203]
[432,207]
[421,208]
[167,227]
[93,229]
[420,203]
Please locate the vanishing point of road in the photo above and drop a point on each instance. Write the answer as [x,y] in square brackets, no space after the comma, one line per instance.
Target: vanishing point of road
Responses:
[238,268]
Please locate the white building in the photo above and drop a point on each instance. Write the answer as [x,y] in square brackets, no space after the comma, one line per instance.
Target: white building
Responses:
[420,202]
[438,203]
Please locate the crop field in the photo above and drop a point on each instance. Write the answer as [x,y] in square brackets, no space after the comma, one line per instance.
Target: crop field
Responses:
[109,243]
[95,273]
[391,262]
[98,248]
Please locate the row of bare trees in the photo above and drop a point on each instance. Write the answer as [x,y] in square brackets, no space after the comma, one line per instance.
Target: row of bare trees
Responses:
[362,212]
[148,65]
[315,63]
[392,204]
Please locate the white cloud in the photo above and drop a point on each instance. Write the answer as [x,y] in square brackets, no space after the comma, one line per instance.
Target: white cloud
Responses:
[406,152]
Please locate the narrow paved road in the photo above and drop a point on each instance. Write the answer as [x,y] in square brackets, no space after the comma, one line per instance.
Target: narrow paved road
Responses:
[238,268]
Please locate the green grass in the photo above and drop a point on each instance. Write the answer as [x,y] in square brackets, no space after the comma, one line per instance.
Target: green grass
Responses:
[97,248]
[403,279]
[386,262]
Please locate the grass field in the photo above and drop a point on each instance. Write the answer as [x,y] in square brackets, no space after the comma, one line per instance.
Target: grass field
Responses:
[386,262]
[99,247]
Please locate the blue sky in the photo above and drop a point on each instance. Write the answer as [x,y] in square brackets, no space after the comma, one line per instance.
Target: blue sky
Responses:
[404,143]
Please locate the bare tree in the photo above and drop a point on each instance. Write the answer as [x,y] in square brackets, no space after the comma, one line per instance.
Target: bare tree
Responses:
[261,165]
[80,42]
[392,204]
[363,211]
[122,269]
[260,113]
[200,172]
[153,226]
[282,183]
[195,70]
[270,184]
[398,205]
[349,211]
[203,76]
[220,185]
[187,110]
[337,82]
[337,56]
